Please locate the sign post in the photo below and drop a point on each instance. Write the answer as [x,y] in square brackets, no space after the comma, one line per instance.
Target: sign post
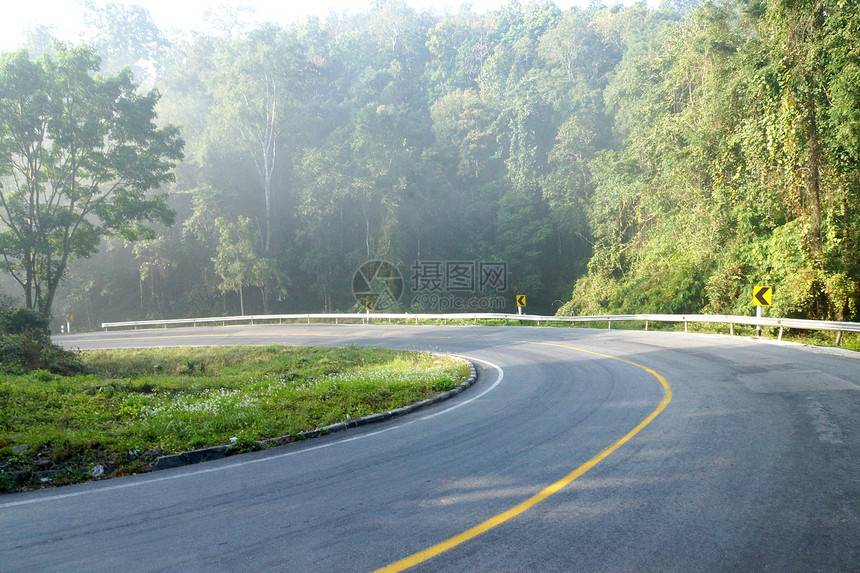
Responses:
[762,296]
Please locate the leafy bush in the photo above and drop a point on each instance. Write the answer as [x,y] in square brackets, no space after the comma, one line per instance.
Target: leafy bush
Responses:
[25,344]
[24,321]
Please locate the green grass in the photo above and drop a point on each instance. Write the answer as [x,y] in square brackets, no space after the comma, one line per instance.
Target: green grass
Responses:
[138,404]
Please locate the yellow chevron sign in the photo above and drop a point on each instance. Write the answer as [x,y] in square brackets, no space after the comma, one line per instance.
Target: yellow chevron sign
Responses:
[763,295]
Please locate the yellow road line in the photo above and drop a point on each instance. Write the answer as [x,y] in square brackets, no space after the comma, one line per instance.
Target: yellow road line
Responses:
[501,518]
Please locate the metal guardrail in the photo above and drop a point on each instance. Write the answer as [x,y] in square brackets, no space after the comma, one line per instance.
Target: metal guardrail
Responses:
[782,323]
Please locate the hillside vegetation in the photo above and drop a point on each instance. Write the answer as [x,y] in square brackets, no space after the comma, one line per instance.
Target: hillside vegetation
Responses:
[617,159]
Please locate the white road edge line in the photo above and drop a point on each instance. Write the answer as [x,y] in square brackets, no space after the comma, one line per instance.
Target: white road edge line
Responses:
[501,375]
[473,398]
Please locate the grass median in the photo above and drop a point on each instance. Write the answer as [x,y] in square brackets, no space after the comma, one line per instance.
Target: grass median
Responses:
[136,405]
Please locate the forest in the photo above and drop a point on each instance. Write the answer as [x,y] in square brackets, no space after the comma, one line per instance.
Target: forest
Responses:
[611,159]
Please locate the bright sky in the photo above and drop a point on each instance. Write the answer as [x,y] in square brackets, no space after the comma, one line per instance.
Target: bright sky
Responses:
[64,15]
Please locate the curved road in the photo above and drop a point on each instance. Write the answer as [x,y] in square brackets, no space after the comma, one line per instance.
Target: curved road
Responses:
[753,465]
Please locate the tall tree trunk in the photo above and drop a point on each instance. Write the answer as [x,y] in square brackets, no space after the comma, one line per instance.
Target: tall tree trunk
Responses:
[264,293]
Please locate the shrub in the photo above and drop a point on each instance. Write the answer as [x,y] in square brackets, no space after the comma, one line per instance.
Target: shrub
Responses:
[24,321]
[25,344]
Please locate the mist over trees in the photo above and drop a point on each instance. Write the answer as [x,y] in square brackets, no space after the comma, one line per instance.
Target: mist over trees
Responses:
[616,159]
[79,153]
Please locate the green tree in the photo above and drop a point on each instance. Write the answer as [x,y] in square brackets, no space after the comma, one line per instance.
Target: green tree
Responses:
[238,261]
[156,263]
[807,66]
[79,155]
[658,214]
[125,35]
[257,87]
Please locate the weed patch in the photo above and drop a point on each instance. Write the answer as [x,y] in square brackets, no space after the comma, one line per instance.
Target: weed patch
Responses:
[136,405]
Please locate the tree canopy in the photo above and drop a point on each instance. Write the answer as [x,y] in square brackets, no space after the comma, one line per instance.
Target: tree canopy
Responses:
[614,158]
[79,154]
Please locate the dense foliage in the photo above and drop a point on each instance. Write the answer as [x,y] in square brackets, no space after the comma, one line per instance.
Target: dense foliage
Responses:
[78,153]
[738,165]
[25,343]
[644,159]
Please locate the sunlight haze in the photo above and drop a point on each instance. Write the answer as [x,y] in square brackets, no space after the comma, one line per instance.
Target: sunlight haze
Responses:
[190,15]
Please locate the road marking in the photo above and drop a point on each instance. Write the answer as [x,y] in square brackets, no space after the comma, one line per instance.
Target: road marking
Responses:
[498,381]
[207,470]
[501,518]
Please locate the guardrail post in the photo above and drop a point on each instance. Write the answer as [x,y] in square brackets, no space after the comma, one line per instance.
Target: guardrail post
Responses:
[646,326]
[780,333]
[731,329]
[609,325]
[838,337]
[758,315]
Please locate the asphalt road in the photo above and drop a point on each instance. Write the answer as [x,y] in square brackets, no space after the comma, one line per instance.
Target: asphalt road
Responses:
[753,465]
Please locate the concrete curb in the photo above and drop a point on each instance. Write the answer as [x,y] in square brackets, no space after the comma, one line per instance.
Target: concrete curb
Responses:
[218,452]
